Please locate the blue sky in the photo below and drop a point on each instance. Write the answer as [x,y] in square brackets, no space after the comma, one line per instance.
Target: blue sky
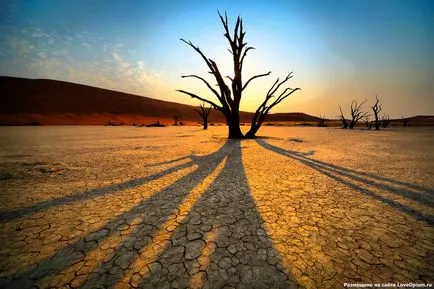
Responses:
[338,50]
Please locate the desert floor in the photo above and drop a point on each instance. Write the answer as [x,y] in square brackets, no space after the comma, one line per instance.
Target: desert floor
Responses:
[177,207]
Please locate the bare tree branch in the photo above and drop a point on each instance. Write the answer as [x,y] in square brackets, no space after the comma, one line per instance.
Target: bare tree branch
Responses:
[272,91]
[376,108]
[263,110]
[385,120]
[244,55]
[237,25]
[343,119]
[356,113]
[197,49]
[210,63]
[226,27]
[321,122]
[230,78]
[206,82]
[256,76]
[367,121]
[282,97]
[204,112]
[229,96]
[224,96]
[200,98]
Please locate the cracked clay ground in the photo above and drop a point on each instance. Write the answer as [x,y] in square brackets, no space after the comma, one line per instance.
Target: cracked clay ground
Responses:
[178,207]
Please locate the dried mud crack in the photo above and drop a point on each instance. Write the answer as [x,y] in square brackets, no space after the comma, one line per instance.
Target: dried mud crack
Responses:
[99,207]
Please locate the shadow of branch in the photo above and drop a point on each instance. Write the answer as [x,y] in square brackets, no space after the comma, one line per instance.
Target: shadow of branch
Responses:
[373,181]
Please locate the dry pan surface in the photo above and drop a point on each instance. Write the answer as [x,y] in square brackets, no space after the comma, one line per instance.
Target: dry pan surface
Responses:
[177,207]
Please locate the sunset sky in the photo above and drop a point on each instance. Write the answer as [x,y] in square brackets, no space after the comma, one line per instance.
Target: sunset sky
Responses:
[338,50]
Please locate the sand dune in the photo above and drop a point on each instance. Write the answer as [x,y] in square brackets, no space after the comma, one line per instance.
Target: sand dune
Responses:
[62,103]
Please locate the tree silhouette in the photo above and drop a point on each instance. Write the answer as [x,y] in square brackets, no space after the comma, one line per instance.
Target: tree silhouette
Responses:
[343,119]
[376,108]
[204,113]
[175,120]
[229,98]
[321,122]
[356,113]
[385,120]
[367,121]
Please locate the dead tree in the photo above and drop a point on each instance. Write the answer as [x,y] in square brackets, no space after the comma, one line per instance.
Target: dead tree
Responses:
[356,113]
[376,108]
[204,113]
[367,121]
[343,119]
[321,122]
[263,110]
[229,96]
[175,119]
[385,120]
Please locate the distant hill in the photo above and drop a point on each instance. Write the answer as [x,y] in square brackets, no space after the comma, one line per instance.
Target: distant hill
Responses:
[414,121]
[293,116]
[52,102]
[421,118]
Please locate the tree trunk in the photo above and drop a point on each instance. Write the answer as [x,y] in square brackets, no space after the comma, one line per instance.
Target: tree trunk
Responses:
[234,130]
[205,124]
[252,132]
[233,124]
[376,108]
[345,124]
[377,122]
[256,124]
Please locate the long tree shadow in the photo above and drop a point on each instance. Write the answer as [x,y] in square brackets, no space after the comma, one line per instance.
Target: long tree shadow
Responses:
[87,194]
[168,234]
[350,177]
[224,242]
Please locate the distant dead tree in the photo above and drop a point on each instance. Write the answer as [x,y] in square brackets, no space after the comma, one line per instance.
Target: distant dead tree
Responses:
[321,122]
[155,124]
[367,121]
[404,122]
[356,113]
[385,120]
[230,99]
[175,119]
[376,108]
[204,113]
[343,119]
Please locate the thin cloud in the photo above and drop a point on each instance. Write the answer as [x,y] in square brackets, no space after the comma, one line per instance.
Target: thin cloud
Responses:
[37,35]
[46,54]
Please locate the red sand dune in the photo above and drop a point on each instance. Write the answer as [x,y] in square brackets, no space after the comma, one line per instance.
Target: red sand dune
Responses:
[52,102]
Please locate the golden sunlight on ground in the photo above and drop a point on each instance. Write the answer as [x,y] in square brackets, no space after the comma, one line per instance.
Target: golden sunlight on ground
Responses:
[332,223]
[160,241]
[180,207]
